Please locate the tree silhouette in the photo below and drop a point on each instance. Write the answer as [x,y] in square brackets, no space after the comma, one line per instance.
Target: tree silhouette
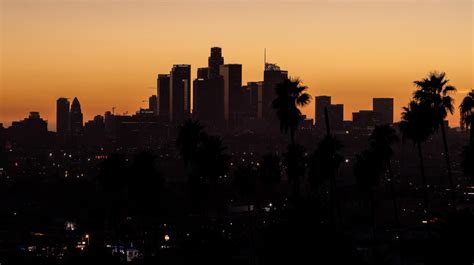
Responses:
[434,91]
[466,110]
[417,125]
[467,122]
[290,96]
[380,142]
[189,137]
[295,164]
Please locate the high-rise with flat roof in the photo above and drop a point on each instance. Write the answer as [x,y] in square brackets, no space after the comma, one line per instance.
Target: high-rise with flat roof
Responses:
[163,90]
[384,106]
[180,92]
[232,75]
[62,116]
[321,102]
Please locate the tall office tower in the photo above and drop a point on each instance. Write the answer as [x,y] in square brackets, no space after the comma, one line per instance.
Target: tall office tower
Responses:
[180,92]
[75,116]
[272,76]
[203,73]
[232,75]
[153,104]
[214,62]
[254,99]
[62,116]
[321,103]
[384,106]
[163,89]
[336,116]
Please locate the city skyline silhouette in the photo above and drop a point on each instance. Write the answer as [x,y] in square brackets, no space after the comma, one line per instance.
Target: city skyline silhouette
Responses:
[351,51]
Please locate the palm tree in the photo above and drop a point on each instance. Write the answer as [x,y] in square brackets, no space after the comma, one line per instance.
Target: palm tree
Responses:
[290,96]
[295,162]
[417,125]
[467,121]
[434,91]
[381,141]
[324,163]
[466,110]
[189,137]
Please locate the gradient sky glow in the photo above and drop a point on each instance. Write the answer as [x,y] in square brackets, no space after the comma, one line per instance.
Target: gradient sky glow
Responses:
[108,52]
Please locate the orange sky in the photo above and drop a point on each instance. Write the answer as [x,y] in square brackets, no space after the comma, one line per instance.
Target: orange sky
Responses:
[108,52]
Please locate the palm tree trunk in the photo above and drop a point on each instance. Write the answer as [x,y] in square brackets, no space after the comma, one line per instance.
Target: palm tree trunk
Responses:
[394,196]
[448,164]
[423,180]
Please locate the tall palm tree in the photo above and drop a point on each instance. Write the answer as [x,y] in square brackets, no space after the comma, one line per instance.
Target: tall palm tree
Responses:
[417,125]
[189,137]
[466,110]
[381,141]
[291,95]
[434,91]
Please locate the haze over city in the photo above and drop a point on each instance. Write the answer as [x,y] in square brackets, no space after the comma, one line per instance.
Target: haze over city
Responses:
[108,53]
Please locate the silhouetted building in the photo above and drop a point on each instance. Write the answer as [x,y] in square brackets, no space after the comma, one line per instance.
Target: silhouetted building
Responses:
[203,73]
[208,91]
[76,120]
[253,96]
[321,102]
[32,132]
[384,106]
[336,116]
[153,104]
[272,76]
[365,119]
[62,116]
[163,89]
[214,62]
[94,131]
[180,92]
[232,75]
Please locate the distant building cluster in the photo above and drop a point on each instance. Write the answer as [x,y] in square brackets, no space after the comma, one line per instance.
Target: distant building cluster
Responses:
[220,101]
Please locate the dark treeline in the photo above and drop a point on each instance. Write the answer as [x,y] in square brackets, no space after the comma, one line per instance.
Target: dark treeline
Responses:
[255,208]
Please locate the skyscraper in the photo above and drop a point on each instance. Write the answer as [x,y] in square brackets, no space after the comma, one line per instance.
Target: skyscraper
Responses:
[76,122]
[384,106]
[153,104]
[336,116]
[321,102]
[163,90]
[180,92]
[272,76]
[62,116]
[254,99]
[232,75]
[214,62]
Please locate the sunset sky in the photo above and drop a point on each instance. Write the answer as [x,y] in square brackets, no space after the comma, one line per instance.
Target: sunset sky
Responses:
[108,52]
